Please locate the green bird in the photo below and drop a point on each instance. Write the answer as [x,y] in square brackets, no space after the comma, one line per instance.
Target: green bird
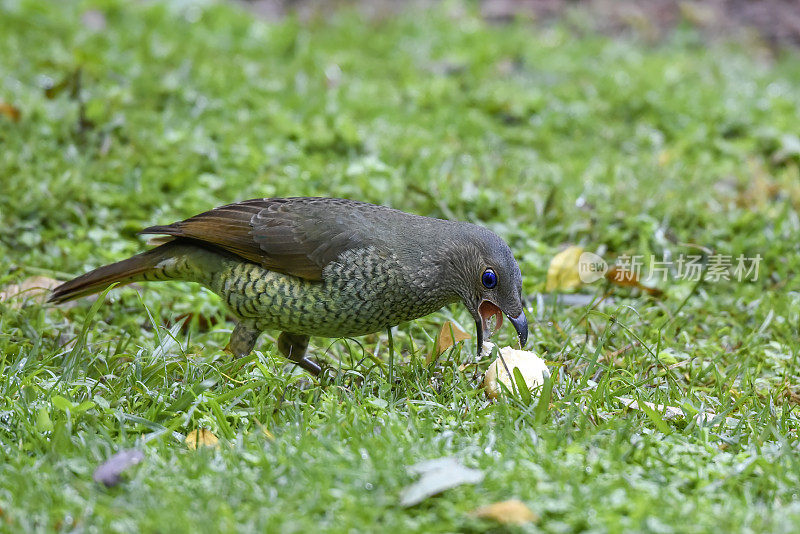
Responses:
[325,267]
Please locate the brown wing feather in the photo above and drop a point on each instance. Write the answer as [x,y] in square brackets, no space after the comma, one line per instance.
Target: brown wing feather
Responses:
[296,236]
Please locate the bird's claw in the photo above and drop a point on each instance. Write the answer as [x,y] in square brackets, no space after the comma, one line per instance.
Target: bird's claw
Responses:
[309,365]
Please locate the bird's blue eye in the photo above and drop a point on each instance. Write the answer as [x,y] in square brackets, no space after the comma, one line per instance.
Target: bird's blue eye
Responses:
[489,279]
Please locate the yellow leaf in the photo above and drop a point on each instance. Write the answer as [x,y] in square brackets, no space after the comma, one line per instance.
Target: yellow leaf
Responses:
[34,288]
[201,438]
[449,335]
[511,512]
[563,271]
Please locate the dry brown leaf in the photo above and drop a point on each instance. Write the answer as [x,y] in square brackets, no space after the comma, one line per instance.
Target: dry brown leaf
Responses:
[563,271]
[449,335]
[622,277]
[10,111]
[204,322]
[511,512]
[33,289]
[201,438]
[627,278]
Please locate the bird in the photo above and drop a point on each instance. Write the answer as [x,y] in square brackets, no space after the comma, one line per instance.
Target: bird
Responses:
[325,267]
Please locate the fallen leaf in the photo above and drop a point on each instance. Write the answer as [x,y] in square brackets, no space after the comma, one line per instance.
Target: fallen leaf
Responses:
[10,111]
[562,274]
[449,335]
[204,322]
[628,278]
[622,277]
[438,475]
[667,412]
[201,438]
[511,512]
[110,472]
[35,289]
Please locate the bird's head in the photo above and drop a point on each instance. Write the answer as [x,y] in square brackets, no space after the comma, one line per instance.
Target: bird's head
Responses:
[488,280]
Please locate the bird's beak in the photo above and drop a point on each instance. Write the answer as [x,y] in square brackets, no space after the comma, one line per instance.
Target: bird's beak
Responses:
[520,323]
[486,310]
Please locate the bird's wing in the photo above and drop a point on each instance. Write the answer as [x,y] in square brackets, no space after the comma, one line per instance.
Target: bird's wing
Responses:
[296,236]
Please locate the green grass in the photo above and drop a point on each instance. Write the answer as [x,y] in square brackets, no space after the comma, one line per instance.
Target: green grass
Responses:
[550,135]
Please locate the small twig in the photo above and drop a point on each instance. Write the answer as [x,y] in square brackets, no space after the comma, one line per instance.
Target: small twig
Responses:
[623,350]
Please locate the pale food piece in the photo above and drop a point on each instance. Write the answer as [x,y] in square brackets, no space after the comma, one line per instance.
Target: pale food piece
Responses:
[530,365]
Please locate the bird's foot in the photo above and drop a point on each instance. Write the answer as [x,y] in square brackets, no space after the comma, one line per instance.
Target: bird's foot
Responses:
[243,339]
[294,346]
[309,365]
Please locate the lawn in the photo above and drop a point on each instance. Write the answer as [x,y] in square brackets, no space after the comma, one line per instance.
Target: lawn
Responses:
[122,115]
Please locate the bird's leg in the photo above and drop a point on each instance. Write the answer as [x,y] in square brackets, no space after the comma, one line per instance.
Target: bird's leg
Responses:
[294,346]
[243,339]
[391,356]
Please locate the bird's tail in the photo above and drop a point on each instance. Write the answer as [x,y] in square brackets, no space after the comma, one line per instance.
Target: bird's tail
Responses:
[154,264]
